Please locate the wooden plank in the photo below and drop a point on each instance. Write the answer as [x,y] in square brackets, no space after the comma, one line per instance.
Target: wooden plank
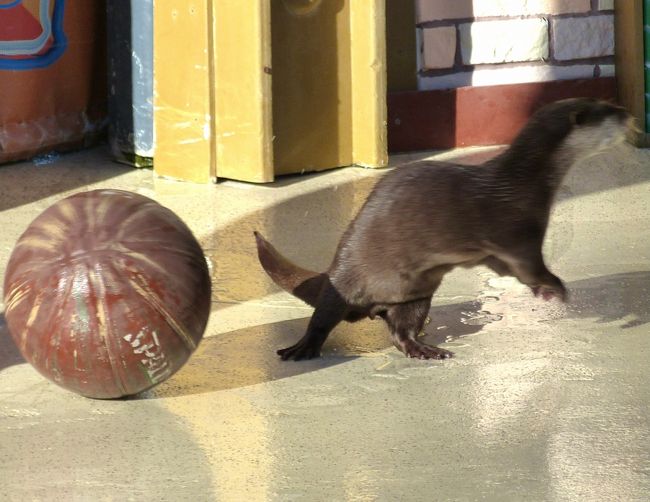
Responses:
[401,47]
[246,102]
[628,22]
[329,84]
[242,89]
[368,46]
[182,94]
[312,93]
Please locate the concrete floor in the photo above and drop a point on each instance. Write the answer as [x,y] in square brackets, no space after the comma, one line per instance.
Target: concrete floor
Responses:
[541,402]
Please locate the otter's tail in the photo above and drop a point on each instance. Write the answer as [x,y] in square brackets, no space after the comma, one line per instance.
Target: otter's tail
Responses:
[301,283]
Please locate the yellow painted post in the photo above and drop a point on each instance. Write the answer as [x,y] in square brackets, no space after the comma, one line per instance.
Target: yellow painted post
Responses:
[250,89]
[630,76]
[329,84]
[312,99]
[369,113]
[401,47]
[242,89]
[182,91]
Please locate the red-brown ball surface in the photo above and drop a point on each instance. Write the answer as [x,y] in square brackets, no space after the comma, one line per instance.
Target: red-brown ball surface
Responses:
[107,293]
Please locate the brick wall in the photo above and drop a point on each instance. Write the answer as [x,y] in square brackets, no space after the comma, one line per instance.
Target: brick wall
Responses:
[493,42]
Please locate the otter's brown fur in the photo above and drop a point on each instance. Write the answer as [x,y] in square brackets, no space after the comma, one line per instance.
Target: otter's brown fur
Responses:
[423,219]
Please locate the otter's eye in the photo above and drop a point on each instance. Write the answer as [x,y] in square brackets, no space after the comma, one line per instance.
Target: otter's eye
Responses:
[577,118]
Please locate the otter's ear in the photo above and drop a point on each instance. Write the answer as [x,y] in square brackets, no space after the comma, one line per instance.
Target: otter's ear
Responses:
[577,118]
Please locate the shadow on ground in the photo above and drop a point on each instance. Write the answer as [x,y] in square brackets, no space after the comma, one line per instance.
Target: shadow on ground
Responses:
[247,356]
[9,353]
[25,182]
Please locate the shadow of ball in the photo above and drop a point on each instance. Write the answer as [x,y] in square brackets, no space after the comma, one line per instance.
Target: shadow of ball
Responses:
[107,293]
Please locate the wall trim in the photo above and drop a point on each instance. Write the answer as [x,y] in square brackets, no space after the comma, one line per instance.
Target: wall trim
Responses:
[477,116]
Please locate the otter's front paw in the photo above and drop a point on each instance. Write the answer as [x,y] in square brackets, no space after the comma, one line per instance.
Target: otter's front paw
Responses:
[549,292]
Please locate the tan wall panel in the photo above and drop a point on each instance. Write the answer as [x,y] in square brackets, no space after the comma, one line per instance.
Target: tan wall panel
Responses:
[401,47]
[312,95]
[247,90]
[242,85]
[182,111]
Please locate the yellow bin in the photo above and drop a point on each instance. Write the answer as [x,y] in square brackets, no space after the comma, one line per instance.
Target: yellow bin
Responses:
[250,89]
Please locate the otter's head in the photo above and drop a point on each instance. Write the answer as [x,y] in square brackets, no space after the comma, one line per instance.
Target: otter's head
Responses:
[583,126]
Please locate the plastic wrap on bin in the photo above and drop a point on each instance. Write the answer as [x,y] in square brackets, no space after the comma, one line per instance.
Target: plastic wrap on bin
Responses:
[130,77]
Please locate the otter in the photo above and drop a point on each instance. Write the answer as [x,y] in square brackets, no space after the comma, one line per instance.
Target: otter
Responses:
[424,218]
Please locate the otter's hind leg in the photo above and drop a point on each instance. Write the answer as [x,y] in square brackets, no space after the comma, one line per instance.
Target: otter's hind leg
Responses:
[405,321]
[330,310]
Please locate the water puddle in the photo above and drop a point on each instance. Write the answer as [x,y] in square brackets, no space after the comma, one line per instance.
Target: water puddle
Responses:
[480,318]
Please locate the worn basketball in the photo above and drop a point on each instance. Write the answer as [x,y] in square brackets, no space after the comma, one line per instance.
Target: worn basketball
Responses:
[107,293]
